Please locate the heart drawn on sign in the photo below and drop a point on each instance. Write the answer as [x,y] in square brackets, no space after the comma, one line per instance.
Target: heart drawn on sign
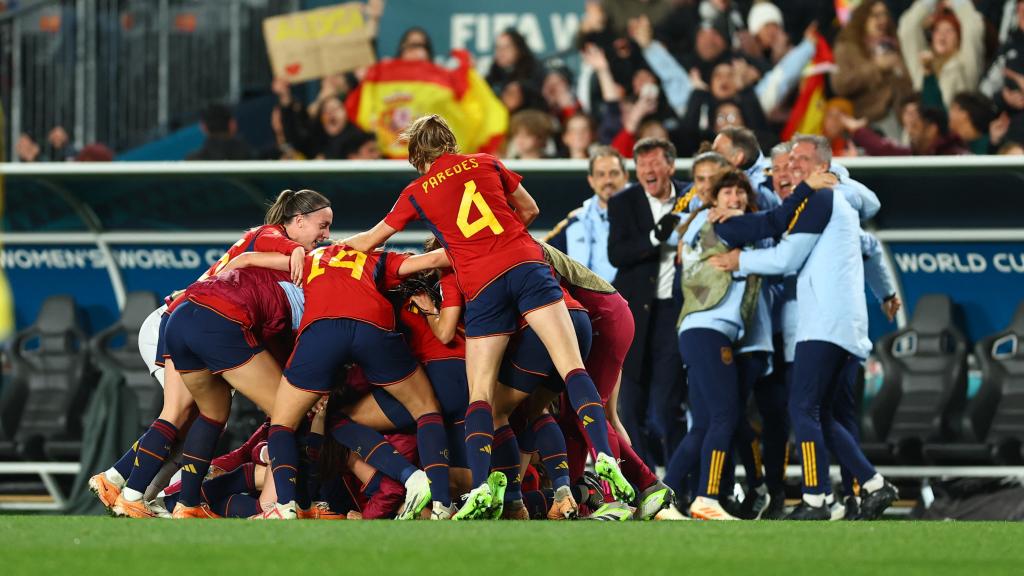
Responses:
[293,69]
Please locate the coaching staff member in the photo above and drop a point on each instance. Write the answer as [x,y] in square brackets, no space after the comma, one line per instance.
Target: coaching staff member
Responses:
[642,246]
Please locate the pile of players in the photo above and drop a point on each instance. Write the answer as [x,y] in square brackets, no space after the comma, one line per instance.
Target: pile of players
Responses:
[310,336]
[468,382]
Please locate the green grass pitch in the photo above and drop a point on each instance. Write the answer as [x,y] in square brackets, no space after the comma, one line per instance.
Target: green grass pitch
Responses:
[98,545]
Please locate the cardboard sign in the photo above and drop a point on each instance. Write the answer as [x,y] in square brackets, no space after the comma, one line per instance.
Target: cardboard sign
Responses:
[316,43]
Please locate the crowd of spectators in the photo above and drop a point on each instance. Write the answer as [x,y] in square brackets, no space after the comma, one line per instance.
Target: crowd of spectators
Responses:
[904,77]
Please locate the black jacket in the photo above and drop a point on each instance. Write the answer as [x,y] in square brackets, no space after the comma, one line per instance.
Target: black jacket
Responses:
[630,250]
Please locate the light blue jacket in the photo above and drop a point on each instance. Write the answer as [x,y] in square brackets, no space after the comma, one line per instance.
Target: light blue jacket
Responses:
[823,247]
[876,271]
[761,181]
[586,238]
[860,197]
[785,312]
[296,300]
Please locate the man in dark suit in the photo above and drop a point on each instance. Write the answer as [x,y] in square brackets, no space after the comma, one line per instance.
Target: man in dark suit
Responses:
[642,245]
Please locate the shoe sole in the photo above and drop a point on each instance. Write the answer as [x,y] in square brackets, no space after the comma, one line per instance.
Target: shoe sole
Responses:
[715,517]
[122,512]
[474,506]
[94,487]
[662,495]
[610,473]
[876,514]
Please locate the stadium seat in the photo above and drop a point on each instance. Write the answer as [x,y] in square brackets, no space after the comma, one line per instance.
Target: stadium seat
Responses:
[992,429]
[12,400]
[50,360]
[924,387]
[118,346]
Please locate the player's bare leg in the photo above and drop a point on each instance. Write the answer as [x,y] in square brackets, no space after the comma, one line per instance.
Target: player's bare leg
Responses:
[257,380]
[555,329]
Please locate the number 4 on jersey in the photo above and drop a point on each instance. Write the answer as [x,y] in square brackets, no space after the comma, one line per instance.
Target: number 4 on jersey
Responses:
[486,220]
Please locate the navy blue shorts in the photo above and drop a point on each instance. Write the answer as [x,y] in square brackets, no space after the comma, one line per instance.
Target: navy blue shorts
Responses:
[448,379]
[524,288]
[197,338]
[328,344]
[528,365]
[161,341]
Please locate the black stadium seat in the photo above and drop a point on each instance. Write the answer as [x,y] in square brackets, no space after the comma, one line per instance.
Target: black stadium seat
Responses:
[50,360]
[125,354]
[924,388]
[992,431]
[12,401]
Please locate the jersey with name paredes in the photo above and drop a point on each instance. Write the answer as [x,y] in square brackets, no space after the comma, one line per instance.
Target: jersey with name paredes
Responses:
[340,282]
[266,238]
[464,200]
[424,345]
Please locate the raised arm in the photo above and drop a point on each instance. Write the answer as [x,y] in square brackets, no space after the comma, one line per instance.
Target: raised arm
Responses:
[372,238]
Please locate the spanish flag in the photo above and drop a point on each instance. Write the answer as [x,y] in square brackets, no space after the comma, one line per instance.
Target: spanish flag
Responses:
[809,110]
[395,92]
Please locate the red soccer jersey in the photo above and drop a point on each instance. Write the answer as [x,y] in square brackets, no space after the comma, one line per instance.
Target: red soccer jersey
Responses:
[464,200]
[250,297]
[425,346]
[344,283]
[266,238]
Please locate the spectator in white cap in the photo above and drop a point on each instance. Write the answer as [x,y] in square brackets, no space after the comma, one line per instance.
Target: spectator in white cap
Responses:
[765,23]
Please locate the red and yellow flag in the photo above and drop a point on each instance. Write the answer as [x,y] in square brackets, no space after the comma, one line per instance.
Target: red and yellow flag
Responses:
[395,92]
[809,110]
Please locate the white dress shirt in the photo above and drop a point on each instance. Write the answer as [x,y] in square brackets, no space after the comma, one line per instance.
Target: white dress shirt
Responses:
[667,264]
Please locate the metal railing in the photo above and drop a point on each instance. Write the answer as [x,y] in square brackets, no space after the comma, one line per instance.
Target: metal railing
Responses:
[121,72]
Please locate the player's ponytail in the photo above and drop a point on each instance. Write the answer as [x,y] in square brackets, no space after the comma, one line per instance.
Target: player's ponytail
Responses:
[290,204]
[428,137]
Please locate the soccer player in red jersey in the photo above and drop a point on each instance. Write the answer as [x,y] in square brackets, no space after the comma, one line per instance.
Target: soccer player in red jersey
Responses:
[347,319]
[295,223]
[229,331]
[612,336]
[479,210]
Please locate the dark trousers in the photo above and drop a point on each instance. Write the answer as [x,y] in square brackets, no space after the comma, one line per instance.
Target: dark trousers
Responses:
[652,403]
[714,405]
[772,397]
[746,445]
[817,371]
[844,412]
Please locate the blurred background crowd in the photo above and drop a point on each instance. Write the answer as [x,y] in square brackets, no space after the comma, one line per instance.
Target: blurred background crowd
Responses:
[876,77]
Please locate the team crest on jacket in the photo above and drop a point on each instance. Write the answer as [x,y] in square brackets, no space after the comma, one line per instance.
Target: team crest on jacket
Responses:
[726,355]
